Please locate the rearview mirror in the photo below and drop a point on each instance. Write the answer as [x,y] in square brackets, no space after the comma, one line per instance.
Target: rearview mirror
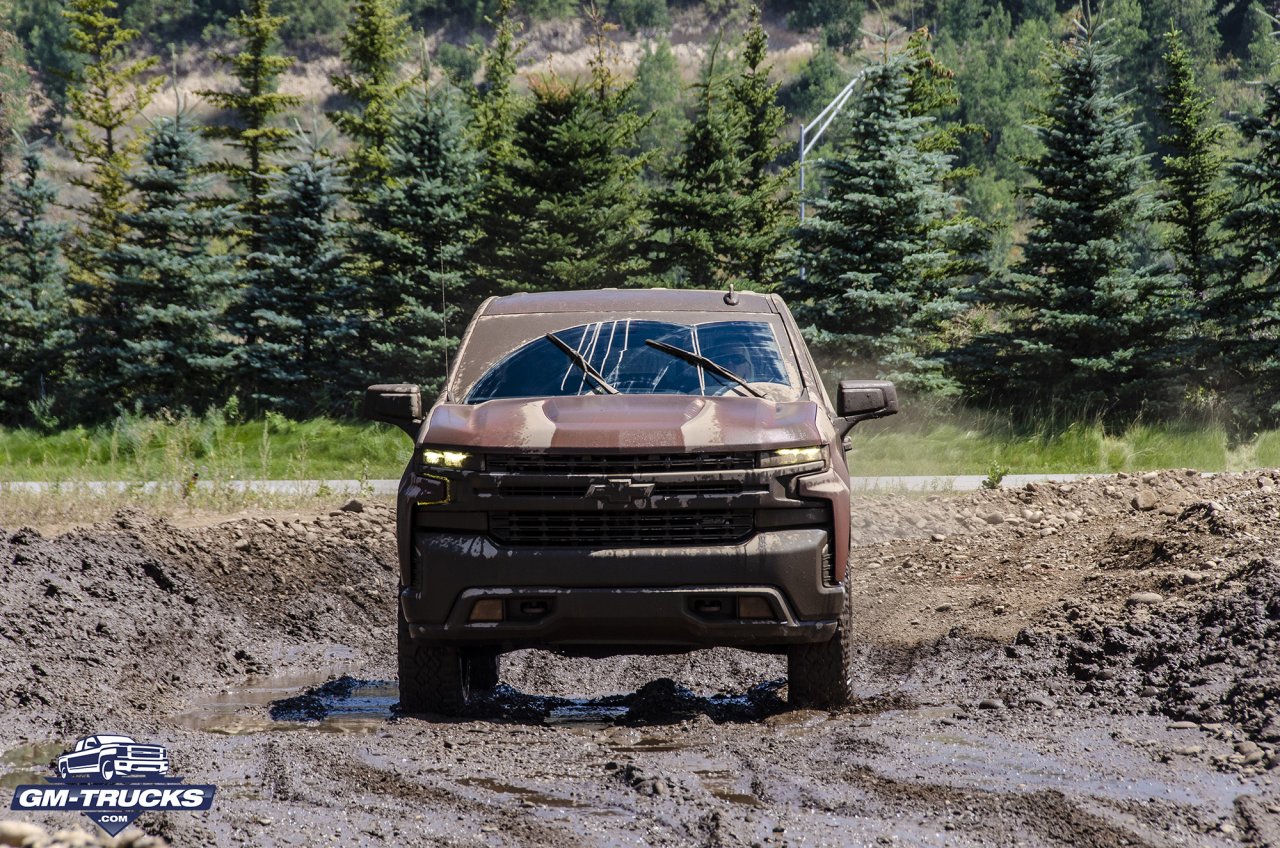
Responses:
[399,404]
[862,400]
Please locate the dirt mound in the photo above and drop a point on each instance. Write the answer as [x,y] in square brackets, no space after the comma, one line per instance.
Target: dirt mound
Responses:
[1209,659]
[134,615]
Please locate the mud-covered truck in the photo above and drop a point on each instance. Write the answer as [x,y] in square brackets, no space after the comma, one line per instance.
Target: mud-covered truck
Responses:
[625,471]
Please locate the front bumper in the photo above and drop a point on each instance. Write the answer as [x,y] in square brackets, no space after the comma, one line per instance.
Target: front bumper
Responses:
[142,766]
[630,596]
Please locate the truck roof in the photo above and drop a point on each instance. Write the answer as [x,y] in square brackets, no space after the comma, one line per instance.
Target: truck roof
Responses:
[628,300]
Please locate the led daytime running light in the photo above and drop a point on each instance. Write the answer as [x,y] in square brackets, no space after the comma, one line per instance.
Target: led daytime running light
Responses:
[444,459]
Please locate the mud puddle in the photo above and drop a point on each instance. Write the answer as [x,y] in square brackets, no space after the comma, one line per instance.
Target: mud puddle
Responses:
[724,784]
[330,704]
[28,763]
[1124,762]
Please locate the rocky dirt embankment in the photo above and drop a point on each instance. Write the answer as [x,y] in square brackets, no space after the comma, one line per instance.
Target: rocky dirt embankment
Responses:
[135,616]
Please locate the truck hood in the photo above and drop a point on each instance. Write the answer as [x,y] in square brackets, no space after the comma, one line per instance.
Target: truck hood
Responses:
[641,423]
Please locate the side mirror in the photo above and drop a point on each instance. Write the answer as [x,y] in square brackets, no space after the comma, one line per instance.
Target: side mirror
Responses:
[399,404]
[862,400]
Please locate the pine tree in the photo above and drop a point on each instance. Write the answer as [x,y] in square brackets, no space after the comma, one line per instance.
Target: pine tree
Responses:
[658,95]
[701,207]
[932,94]
[256,106]
[1083,324]
[35,332]
[496,108]
[765,229]
[873,286]
[416,229]
[1247,303]
[1190,171]
[576,209]
[104,95]
[171,286]
[300,360]
[495,104]
[573,212]
[373,48]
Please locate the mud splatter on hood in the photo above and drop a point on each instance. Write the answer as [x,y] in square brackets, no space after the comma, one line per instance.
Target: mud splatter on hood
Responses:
[627,422]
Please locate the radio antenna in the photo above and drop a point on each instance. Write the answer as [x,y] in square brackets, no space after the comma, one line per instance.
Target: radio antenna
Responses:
[444,323]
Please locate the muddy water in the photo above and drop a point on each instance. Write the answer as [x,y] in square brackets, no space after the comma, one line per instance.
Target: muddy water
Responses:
[603,770]
[308,701]
[28,763]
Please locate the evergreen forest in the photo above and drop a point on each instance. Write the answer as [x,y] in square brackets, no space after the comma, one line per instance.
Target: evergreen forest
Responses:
[1042,207]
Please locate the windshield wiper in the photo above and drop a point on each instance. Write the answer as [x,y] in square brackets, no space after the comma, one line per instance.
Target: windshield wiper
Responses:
[698,359]
[580,361]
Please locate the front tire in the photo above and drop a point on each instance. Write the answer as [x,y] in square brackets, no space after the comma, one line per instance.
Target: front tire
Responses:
[107,769]
[820,674]
[442,680]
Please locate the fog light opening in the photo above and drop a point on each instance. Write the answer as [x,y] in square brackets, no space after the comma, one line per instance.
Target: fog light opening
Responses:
[708,606]
[750,606]
[534,609]
[486,609]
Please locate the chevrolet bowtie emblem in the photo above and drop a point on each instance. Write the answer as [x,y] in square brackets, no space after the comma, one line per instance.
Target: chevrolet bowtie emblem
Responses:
[620,491]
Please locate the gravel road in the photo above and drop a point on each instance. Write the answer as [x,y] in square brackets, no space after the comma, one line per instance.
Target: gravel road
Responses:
[1084,663]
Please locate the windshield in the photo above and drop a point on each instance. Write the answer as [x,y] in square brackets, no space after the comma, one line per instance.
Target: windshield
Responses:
[618,351]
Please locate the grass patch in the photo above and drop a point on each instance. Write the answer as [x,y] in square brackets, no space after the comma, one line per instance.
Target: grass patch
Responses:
[944,447]
[1266,450]
[921,441]
[173,449]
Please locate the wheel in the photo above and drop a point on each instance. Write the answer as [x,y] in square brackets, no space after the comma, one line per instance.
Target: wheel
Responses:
[107,769]
[819,674]
[62,770]
[441,680]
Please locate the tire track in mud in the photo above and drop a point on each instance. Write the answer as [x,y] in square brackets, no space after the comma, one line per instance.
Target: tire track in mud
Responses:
[1047,813]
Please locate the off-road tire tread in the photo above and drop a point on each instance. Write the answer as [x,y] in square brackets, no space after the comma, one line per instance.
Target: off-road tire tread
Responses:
[431,678]
[820,674]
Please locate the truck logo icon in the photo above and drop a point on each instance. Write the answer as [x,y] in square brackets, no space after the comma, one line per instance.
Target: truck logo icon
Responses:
[113,779]
[620,491]
[109,757]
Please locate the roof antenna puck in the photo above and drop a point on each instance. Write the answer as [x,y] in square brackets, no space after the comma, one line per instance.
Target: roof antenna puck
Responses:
[731,296]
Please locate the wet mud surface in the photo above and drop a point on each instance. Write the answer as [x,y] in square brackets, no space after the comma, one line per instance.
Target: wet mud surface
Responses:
[1086,664]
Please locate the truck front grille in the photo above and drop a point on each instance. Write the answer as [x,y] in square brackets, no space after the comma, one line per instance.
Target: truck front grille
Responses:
[604,464]
[642,527]
[579,490]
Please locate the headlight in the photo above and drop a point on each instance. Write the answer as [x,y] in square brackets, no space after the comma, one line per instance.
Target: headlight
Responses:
[455,460]
[790,456]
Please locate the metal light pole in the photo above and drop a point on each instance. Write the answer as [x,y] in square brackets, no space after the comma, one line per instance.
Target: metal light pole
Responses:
[809,138]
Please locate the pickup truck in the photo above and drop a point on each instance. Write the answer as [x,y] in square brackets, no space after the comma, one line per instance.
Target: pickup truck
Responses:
[109,757]
[625,471]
